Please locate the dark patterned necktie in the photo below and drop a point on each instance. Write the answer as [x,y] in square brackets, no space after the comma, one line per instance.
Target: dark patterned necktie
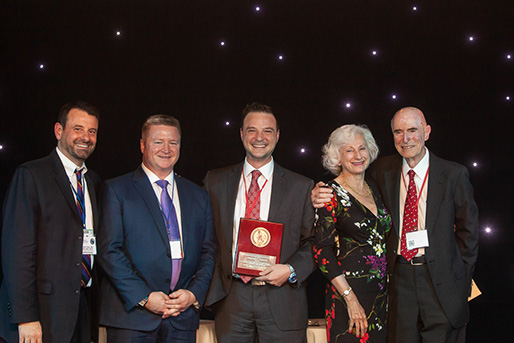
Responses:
[253,206]
[86,259]
[170,219]
[410,217]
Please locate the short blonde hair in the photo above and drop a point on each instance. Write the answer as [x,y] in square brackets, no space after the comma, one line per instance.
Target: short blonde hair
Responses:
[343,136]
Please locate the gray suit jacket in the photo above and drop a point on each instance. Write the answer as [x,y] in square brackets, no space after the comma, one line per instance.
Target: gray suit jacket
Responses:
[452,224]
[290,205]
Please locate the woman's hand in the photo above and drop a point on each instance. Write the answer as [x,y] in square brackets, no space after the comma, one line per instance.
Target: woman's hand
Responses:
[357,315]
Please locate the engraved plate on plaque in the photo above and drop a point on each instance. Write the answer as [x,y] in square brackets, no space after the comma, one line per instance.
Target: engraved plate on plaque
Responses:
[255,261]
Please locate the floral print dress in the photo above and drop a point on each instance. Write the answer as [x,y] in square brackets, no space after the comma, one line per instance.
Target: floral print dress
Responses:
[350,240]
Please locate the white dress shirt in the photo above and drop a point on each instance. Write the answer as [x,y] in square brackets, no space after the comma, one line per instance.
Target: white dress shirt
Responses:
[266,180]
[421,169]
[173,193]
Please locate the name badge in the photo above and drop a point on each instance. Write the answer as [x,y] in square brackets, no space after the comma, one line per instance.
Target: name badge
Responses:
[89,242]
[176,250]
[417,239]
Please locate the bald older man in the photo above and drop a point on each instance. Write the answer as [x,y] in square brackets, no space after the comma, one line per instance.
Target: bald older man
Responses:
[432,250]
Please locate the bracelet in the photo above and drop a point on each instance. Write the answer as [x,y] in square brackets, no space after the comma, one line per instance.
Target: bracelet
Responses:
[347,292]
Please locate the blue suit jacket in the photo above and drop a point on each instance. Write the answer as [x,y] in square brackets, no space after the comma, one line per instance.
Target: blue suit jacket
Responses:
[135,254]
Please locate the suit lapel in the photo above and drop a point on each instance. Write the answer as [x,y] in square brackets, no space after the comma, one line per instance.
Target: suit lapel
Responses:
[392,178]
[435,192]
[144,188]
[64,183]
[232,183]
[278,190]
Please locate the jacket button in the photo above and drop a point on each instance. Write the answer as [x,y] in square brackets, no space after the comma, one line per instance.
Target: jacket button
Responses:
[79,238]
[78,264]
[77,292]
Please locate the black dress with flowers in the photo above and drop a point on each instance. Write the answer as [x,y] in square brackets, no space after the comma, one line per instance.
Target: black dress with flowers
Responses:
[350,240]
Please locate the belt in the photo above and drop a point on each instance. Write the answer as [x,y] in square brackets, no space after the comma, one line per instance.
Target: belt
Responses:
[252,282]
[416,261]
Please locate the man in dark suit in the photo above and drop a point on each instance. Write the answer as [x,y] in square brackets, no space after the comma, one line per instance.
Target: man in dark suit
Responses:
[272,306]
[156,245]
[431,267]
[47,293]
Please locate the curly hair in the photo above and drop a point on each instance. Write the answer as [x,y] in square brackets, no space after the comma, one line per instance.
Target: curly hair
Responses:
[343,136]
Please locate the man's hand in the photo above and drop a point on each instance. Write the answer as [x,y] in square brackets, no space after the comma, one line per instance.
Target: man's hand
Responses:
[157,303]
[321,195]
[30,332]
[275,275]
[178,302]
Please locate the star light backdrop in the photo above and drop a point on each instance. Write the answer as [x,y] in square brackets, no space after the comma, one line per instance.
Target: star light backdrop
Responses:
[319,64]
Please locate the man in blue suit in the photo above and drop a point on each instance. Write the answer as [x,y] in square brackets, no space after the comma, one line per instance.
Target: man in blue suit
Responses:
[155,245]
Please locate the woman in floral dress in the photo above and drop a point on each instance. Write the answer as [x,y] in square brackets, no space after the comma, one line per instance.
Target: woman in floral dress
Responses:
[350,241]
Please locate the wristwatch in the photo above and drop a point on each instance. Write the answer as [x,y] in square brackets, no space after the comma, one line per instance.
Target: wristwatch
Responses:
[347,292]
[143,302]
[292,276]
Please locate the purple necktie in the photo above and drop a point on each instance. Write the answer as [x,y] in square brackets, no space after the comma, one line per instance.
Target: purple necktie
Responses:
[170,219]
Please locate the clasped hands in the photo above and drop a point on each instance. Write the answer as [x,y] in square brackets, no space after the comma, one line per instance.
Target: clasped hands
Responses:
[170,305]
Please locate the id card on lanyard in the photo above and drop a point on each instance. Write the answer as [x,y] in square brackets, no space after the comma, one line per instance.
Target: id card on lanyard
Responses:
[88,237]
[175,244]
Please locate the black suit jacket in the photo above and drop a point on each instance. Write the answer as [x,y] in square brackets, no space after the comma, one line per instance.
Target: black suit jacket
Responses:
[290,205]
[42,250]
[135,253]
[452,224]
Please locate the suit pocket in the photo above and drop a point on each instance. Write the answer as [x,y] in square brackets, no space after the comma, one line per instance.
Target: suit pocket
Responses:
[44,287]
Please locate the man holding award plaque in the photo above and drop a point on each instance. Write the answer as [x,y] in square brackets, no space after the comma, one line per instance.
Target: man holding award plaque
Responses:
[263,223]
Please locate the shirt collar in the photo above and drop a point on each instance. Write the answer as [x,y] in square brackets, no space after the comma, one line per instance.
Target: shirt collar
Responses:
[68,164]
[420,169]
[154,178]
[266,170]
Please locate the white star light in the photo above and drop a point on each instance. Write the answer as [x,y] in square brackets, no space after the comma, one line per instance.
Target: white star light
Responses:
[374,52]
[488,230]
[227,123]
[118,33]
[222,43]
[509,56]
[302,150]
[257,9]
[280,57]
[41,66]
[393,96]
[507,98]
[414,8]
[1,147]
[471,38]
[475,164]
[348,105]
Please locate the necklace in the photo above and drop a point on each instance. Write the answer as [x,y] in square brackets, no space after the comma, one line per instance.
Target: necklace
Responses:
[366,193]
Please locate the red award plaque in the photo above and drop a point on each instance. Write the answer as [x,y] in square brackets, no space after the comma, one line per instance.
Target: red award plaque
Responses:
[258,246]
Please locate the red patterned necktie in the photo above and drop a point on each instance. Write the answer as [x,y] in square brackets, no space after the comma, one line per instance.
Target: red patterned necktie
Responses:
[86,259]
[410,217]
[253,205]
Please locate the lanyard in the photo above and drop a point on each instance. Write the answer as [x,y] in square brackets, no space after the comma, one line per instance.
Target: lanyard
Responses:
[249,209]
[172,184]
[422,185]
[81,203]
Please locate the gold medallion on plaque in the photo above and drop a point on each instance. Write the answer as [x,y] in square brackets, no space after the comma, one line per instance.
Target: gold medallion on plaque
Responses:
[260,237]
